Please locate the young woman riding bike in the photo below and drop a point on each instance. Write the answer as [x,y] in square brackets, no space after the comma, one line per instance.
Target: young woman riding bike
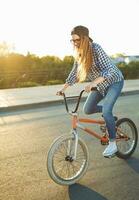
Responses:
[91,62]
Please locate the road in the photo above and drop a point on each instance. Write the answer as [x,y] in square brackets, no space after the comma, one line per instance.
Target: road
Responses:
[25,138]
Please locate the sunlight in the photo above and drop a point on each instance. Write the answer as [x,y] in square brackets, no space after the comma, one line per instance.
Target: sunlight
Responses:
[43,27]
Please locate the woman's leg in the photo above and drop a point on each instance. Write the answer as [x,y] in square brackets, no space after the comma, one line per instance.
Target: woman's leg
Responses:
[109,101]
[91,102]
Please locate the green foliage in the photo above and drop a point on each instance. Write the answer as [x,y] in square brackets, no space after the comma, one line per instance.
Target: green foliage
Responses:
[5,49]
[131,70]
[26,71]
[54,82]
[118,55]
[30,70]
[27,84]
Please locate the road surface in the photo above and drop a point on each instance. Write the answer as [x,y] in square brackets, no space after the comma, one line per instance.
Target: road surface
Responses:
[25,138]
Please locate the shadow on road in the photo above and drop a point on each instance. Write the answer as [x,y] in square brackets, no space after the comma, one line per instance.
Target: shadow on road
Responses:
[133,163]
[80,192]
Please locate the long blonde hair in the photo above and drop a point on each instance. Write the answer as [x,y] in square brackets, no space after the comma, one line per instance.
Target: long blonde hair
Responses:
[84,58]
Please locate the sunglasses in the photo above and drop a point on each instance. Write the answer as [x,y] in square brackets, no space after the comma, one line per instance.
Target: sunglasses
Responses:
[75,40]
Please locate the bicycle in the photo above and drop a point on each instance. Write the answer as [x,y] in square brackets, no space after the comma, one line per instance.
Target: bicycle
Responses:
[68,157]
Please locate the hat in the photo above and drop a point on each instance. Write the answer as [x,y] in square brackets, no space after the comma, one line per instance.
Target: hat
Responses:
[81,31]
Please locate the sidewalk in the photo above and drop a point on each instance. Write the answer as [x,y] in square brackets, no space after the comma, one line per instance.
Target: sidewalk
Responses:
[23,98]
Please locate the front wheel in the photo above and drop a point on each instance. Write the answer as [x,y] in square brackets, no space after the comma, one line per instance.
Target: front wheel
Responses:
[61,165]
[127,137]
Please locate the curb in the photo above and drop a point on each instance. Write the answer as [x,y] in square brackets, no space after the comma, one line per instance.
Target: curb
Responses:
[52,103]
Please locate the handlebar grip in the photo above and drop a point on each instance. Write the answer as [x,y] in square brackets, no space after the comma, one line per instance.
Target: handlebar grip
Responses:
[61,93]
[94,89]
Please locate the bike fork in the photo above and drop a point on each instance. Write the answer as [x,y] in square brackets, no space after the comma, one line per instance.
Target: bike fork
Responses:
[71,147]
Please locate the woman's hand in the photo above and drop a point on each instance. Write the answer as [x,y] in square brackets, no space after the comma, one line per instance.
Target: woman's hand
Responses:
[89,87]
[60,93]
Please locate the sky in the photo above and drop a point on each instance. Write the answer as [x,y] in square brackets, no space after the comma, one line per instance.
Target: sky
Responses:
[42,27]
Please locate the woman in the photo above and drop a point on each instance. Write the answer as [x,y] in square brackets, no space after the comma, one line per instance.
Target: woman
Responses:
[93,63]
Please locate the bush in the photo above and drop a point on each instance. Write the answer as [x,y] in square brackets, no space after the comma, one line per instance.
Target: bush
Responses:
[130,70]
[54,82]
[30,70]
[27,84]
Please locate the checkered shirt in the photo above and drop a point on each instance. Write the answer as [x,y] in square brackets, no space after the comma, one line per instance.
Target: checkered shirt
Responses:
[103,67]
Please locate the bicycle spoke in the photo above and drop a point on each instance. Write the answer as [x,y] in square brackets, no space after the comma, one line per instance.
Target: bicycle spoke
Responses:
[73,168]
[59,151]
[127,131]
[60,156]
[64,166]
[61,169]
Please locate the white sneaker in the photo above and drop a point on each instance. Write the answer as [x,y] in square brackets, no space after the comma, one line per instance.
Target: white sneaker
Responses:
[110,150]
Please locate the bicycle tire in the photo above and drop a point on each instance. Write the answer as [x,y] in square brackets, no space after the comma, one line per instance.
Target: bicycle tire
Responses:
[50,164]
[133,135]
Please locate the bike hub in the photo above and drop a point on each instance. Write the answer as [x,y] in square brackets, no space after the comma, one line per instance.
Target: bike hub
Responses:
[68,158]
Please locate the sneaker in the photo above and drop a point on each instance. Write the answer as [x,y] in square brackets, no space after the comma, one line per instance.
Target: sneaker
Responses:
[110,150]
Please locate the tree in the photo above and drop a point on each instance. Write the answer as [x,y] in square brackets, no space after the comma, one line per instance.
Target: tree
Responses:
[117,55]
[5,49]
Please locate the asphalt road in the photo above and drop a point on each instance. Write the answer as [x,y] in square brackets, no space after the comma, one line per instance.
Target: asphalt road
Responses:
[25,138]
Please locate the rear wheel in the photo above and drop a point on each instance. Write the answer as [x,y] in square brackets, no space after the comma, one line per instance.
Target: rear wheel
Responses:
[127,137]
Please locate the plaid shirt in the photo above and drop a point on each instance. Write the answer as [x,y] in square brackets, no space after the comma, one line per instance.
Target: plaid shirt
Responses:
[103,67]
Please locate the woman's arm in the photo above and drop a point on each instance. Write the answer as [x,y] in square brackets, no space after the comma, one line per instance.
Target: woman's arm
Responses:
[66,85]
[108,70]
[98,80]
[72,78]
[94,83]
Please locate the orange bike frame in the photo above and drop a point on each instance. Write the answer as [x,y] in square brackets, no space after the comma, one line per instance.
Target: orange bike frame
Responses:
[76,123]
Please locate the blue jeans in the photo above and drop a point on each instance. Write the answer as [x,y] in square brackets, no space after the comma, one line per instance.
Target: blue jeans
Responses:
[91,105]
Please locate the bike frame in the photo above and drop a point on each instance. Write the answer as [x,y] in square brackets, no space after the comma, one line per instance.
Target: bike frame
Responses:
[77,123]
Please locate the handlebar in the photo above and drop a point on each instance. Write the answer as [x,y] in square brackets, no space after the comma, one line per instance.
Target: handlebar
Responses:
[78,100]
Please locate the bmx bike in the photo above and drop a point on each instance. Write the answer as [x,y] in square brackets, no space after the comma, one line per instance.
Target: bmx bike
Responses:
[68,156]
